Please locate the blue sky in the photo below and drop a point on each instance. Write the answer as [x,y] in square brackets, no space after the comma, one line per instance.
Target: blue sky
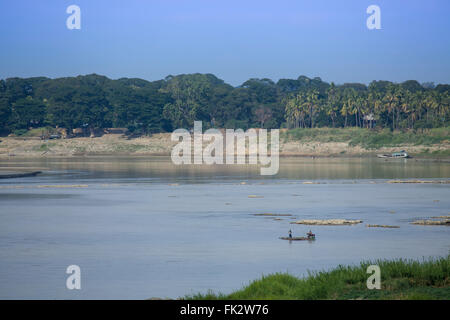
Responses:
[235,40]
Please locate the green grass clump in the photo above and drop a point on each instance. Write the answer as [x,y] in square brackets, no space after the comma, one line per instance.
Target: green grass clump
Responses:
[386,138]
[400,279]
[128,147]
[20,132]
[444,153]
[320,134]
[44,147]
[369,139]
[35,132]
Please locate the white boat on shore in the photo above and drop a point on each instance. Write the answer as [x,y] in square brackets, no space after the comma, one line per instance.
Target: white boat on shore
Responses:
[395,155]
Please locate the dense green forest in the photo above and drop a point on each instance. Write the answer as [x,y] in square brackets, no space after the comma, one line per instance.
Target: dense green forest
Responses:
[145,107]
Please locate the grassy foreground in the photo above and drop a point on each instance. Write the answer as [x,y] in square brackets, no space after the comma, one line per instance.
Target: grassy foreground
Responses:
[400,279]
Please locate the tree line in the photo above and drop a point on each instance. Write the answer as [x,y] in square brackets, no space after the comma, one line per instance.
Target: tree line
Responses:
[146,107]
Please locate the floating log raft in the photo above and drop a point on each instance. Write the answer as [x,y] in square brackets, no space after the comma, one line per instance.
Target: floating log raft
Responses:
[380,226]
[327,222]
[443,222]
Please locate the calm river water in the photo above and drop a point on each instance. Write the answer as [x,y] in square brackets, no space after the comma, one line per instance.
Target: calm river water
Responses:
[142,227]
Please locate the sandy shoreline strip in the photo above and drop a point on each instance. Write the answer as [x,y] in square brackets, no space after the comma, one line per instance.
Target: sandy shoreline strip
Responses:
[161,145]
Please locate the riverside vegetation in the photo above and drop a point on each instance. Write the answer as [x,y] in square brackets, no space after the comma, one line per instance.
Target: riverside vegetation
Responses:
[145,107]
[400,279]
[317,118]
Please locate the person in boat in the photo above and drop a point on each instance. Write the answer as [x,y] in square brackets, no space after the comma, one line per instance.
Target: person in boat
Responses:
[310,234]
[290,234]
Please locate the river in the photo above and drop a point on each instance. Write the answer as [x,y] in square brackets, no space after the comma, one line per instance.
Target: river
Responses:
[143,227]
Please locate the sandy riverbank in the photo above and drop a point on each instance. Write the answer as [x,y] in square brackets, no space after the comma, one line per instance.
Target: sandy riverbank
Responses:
[161,144]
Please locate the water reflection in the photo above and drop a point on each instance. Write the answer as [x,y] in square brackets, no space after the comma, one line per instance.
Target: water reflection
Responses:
[290,168]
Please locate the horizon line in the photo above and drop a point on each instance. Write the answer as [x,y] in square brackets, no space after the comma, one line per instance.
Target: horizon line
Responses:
[209,73]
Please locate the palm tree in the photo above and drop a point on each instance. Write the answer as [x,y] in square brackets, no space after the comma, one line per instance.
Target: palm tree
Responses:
[312,103]
[390,103]
[331,105]
[295,109]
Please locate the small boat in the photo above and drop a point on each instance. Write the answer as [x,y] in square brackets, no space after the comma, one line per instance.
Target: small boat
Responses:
[395,155]
[296,238]
[310,236]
